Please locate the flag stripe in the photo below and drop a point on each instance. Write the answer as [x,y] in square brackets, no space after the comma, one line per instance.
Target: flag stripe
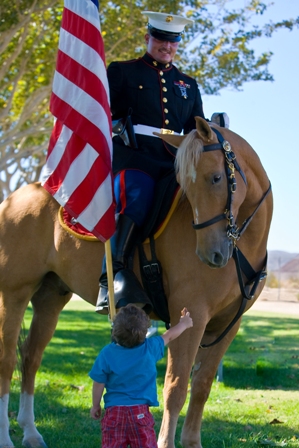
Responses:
[69,166]
[87,108]
[88,58]
[82,29]
[83,79]
[85,9]
[77,171]
[92,214]
[56,134]
[79,161]
[88,186]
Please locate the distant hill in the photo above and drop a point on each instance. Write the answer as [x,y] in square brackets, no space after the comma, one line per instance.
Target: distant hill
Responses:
[292,266]
[278,260]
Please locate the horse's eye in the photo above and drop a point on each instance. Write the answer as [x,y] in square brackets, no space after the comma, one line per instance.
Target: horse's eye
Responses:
[216,179]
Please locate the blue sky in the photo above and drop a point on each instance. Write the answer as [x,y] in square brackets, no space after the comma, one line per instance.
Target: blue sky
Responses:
[266,114]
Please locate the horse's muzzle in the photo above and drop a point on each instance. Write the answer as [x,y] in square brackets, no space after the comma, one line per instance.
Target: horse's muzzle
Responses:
[216,258]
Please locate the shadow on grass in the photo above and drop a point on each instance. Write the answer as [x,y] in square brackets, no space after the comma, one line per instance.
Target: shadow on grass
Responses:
[264,354]
[71,426]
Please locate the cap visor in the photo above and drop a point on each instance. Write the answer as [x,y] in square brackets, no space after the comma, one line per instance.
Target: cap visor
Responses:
[162,35]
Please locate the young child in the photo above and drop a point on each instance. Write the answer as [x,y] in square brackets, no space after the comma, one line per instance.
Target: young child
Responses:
[126,368]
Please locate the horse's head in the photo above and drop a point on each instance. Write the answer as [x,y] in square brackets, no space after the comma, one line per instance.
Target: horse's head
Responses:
[205,168]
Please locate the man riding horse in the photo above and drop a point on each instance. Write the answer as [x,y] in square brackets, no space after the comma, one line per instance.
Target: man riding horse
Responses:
[153,95]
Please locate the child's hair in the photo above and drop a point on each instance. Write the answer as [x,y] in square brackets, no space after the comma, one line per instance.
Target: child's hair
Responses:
[130,326]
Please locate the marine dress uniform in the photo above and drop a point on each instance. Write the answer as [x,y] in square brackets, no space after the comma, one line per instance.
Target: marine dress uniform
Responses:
[160,99]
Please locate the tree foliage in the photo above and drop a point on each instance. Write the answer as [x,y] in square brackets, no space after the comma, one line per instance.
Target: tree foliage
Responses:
[217,51]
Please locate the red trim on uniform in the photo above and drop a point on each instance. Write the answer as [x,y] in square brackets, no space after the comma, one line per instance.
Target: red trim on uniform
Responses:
[123,198]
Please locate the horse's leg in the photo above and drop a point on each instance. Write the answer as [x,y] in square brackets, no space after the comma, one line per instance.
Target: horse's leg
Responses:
[12,309]
[181,354]
[204,371]
[47,304]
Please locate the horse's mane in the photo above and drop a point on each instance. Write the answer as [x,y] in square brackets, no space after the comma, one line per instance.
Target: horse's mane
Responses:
[187,157]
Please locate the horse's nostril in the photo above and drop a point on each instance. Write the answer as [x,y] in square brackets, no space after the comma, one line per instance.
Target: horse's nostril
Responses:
[218,258]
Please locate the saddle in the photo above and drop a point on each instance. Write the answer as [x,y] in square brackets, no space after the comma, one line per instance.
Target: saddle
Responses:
[167,194]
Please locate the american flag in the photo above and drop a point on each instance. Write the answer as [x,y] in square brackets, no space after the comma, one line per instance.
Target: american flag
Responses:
[79,162]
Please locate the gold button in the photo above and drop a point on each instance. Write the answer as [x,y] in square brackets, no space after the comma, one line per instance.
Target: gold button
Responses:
[164,89]
[163,80]
[161,73]
[166,111]
[166,121]
[140,87]
[185,96]
[164,100]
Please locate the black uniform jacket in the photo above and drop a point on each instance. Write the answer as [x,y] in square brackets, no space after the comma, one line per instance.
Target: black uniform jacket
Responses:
[159,95]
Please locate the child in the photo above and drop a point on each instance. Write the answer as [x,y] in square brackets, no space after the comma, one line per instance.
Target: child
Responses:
[127,369]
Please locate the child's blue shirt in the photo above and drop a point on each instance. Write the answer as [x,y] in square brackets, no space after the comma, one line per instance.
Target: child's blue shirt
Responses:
[129,374]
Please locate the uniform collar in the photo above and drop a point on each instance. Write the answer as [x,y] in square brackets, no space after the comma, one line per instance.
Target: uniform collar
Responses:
[155,64]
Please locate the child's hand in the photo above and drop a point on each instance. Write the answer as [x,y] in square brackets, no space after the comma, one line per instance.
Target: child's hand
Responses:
[95,413]
[186,319]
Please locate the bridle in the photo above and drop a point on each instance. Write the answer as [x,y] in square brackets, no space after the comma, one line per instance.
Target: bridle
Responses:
[233,232]
[231,165]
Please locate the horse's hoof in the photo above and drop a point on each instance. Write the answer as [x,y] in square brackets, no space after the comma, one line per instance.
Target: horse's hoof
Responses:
[34,443]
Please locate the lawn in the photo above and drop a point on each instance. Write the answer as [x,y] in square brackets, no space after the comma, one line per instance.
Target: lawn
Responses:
[255,405]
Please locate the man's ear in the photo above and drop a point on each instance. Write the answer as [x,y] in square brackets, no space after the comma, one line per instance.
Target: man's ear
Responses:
[146,38]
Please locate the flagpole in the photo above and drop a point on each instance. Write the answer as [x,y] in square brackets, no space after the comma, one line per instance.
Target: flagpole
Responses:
[109,268]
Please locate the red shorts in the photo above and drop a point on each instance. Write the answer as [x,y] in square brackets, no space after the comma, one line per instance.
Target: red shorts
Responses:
[128,425]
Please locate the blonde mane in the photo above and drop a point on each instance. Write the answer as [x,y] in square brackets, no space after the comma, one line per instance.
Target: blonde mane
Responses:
[187,158]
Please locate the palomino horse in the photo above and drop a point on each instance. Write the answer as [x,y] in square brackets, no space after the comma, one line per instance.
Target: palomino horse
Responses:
[42,262]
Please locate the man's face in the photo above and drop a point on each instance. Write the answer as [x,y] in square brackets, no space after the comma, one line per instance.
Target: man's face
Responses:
[161,50]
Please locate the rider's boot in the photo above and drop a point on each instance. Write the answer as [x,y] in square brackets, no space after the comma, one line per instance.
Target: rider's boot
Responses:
[127,288]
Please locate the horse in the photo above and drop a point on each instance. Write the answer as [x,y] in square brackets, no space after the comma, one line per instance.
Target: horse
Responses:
[216,269]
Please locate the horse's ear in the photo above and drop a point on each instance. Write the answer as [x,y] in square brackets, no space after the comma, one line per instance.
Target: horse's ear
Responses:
[174,140]
[204,130]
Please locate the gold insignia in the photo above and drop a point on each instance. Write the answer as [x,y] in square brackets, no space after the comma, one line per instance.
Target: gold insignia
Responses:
[155,63]
[167,65]
[169,19]
[166,131]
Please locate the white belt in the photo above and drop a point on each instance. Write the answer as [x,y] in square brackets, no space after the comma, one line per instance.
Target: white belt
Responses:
[148,130]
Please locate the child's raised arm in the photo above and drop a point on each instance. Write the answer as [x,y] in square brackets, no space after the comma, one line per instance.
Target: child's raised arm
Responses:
[184,323]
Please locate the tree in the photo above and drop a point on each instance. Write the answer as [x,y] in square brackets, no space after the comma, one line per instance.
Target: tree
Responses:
[216,51]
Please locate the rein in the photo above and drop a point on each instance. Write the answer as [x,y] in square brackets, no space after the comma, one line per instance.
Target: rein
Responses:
[235,233]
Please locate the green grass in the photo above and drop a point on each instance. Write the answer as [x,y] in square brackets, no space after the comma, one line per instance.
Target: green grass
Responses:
[255,406]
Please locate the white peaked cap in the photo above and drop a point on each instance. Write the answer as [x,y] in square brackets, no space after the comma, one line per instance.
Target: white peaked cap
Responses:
[167,22]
